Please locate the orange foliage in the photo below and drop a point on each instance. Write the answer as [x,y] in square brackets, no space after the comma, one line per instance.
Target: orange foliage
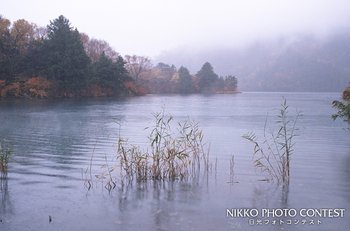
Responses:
[134,89]
[37,87]
[12,90]
[346,93]
[2,85]
[33,87]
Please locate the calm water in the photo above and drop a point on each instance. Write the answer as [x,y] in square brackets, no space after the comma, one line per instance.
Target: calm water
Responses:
[53,142]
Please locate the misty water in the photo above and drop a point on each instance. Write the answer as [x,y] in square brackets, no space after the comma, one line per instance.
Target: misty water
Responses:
[53,143]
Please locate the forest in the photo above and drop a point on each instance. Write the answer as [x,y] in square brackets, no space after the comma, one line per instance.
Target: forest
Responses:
[59,61]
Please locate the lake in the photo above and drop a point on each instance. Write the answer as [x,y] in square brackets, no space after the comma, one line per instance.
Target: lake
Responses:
[55,141]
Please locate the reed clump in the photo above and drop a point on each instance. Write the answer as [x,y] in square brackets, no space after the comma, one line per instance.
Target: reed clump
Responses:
[273,154]
[5,154]
[173,154]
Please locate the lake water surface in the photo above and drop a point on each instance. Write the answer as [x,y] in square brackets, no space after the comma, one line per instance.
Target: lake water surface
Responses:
[53,143]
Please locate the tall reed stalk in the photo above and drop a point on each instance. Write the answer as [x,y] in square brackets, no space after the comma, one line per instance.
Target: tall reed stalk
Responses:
[273,154]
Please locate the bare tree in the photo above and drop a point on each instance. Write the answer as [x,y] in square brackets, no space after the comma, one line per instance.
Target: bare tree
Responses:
[40,32]
[136,65]
[95,47]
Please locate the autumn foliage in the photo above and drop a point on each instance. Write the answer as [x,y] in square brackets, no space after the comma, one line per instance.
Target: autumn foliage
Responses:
[346,94]
[12,90]
[166,79]
[35,87]
[59,61]
[135,89]
[343,107]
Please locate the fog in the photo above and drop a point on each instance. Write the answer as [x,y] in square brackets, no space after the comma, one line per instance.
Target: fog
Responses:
[153,27]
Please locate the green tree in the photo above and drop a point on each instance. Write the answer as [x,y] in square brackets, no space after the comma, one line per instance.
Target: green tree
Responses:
[207,78]
[15,43]
[7,51]
[185,81]
[65,59]
[343,107]
[231,82]
[110,74]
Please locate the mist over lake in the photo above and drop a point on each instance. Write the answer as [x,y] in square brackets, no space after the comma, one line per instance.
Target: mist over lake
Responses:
[302,62]
[174,115]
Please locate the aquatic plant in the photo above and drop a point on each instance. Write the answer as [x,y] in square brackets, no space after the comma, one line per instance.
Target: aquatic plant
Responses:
[343,107]
[173,154]
[5,154]
[273,154]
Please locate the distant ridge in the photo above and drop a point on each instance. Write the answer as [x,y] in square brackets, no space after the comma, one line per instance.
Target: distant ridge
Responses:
[300,63]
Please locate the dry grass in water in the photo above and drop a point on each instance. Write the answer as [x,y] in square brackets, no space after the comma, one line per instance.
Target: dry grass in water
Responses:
[273,154]
[176,151]
[173,155]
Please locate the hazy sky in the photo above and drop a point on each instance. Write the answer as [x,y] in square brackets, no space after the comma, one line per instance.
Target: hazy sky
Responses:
[148,27]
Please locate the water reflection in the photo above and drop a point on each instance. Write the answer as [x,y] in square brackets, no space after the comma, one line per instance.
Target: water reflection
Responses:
[130,195]
[6,205]
[267,195]
[284,197]
[162,202]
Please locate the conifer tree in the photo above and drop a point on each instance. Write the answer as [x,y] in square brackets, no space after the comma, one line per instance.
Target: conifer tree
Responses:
[185,81]
[64,55]
[207,78]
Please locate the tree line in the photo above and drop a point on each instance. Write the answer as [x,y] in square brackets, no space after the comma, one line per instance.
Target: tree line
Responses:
[59,61]
[165,79]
